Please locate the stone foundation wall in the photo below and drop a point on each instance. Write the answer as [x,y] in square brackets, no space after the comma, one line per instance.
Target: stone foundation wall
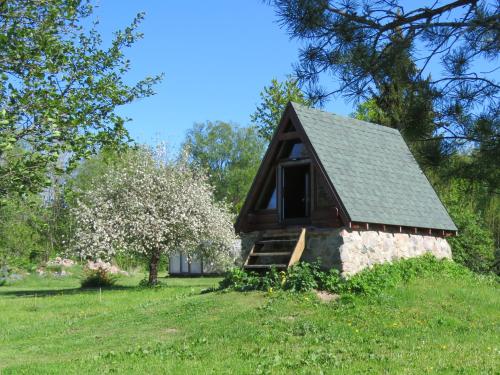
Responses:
[361,249]
[324,246]
[350,251]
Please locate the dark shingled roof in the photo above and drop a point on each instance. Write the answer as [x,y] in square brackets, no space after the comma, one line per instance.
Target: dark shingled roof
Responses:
[373,171]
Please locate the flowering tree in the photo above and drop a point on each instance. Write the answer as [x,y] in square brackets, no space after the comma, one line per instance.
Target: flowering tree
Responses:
[152,206]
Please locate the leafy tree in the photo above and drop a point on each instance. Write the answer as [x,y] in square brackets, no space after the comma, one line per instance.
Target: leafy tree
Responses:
[230,154]
[474,245]
[33,226]
[59,89]
[22,239]
[84,178]
[358,42]
[370,111]
[473,195]
[63,195]
[274,98]
[151,206]
[36,227]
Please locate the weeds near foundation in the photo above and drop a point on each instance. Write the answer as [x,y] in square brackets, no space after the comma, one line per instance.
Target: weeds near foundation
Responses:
[304,277]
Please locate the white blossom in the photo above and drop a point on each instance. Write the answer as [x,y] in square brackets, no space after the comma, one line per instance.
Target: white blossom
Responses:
[152,205]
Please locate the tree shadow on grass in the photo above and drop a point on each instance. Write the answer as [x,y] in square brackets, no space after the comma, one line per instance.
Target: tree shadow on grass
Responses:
[165,282]
[62,291]
[186,282]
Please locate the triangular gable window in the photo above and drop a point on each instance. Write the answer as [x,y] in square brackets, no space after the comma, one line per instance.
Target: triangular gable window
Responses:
[289,128]
[294,150]
[268,200]
[272,203]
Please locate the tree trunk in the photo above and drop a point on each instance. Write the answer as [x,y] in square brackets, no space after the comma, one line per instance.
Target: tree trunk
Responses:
[153,268]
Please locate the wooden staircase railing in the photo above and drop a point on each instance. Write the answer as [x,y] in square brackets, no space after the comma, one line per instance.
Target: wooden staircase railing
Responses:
[276,249]
[299,248]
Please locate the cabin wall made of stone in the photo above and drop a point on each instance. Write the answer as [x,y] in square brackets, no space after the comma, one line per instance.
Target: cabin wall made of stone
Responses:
[361,249]
[323,246]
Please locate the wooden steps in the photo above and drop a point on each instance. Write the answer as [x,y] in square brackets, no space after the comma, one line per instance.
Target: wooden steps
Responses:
[279,253]
[263,242]
[276,249]
[264,266]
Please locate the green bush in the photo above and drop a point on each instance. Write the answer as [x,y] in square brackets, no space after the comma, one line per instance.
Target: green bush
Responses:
[23,232]
[243,281]
[304,277]
[474,246]
[95,278]
[299,278]
[330,281]
[4,273]
[144,283]
[274,280]
[382,276]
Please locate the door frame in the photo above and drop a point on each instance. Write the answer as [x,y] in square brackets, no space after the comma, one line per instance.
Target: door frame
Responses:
[280,197]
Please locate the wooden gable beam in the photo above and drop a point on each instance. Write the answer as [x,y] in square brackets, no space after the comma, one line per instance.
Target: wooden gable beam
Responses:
[289,135]
[264,168]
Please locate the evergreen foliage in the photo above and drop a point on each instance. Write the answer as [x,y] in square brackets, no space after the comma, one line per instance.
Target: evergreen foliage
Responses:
[274,99]
[385,51]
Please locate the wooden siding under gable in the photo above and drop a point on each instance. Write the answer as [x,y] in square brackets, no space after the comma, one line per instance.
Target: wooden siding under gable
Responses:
[324,207]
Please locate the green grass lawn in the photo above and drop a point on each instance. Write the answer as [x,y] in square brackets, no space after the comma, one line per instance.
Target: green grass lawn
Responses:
[434,325]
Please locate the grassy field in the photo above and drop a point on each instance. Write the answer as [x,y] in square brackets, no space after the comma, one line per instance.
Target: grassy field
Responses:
[437,325]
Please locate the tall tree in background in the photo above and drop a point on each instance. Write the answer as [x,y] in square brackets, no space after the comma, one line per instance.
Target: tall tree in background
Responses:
[404,101]
[274,98]
[381,54]
[59,89]
[353,41]
[229,154]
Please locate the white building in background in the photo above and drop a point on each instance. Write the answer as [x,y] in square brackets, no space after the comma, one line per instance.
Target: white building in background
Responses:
[179,264]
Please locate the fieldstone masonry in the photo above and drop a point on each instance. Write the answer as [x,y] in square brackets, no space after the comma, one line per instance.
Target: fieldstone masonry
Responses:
[350,251]
[361,249]
[324,245]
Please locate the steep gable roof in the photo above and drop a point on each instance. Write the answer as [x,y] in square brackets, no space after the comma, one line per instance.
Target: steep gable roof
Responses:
[373,171]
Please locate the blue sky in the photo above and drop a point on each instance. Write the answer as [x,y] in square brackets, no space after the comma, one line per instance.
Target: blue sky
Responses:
[216,56]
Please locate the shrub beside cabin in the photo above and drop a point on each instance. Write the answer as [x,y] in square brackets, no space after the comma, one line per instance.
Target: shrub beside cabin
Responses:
[342,191]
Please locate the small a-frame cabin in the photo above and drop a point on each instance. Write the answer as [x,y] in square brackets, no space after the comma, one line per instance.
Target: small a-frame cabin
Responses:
[342,191]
